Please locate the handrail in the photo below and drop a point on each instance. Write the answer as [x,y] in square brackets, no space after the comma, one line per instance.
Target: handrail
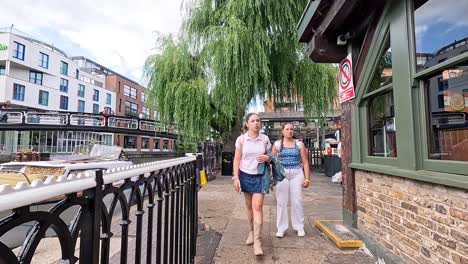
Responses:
[7,117]
[57,118]
[24,193]
[162,194]
[147,125]
[87,120]
[51,118]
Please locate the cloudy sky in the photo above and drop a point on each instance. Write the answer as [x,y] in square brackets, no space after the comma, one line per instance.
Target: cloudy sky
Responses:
[439,23]
[119,34]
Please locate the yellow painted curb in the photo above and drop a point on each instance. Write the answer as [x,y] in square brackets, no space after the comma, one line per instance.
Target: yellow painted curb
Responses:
[339,242]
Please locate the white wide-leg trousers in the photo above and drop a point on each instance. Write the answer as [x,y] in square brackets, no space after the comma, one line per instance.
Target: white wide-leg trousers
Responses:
[283,188]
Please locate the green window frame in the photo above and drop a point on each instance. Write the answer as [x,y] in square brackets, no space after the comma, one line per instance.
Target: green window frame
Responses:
[95,108]
[43,98]
[360,109]
[418,78]
[64,68]
[81,90]
[410,109]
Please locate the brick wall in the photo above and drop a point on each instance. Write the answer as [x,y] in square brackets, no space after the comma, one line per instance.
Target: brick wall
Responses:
[419,222]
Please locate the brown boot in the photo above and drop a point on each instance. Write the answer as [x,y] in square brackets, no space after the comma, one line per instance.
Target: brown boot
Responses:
[250,238]
[258,239]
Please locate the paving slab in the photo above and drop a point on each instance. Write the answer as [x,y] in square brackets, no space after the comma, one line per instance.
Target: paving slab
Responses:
[223,210]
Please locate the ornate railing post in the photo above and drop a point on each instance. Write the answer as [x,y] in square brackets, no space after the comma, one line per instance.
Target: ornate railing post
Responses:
[90,233]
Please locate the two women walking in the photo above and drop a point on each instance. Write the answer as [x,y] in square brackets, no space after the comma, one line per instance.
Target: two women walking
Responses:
[251,152]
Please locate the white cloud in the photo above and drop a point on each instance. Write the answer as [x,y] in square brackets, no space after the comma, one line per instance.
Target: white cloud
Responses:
[119,34]
[449,11]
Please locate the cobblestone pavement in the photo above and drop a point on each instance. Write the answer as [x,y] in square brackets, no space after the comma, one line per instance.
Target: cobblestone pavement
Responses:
[224,229]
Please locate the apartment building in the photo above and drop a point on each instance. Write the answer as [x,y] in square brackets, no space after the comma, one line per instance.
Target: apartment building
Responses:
[131,102]
[36,75]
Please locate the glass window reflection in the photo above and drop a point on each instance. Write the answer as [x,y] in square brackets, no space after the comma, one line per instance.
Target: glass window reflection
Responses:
[383,73]
[448,113]
[382,126]
[441,31]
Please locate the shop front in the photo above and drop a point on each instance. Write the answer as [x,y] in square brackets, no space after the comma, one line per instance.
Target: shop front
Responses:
[405,132]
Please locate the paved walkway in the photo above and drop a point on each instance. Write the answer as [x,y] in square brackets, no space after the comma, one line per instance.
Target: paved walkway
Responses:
[223,213]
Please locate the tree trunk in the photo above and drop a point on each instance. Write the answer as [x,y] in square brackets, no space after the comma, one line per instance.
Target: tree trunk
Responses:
[229,138]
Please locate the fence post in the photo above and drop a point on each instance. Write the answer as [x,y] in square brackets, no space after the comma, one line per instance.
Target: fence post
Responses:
[91,227]
[199,164]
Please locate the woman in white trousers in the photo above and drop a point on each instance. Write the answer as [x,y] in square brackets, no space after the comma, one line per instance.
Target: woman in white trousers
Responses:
[292,154]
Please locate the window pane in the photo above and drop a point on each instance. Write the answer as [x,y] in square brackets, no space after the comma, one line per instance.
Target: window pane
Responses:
[44,60]
[383,73]
[448,125]
[64,85]
[382,126]
[43,98]
[81,106]
[441,31]
[64,102]
[64,68]
[35,77]
[96,95]
[18,92]
[155,143]
[144,143]
[81,90]
[95,108]
[18,52]
[130,142]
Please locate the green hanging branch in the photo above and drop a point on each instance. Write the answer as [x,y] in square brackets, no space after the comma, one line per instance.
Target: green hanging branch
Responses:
[229,52]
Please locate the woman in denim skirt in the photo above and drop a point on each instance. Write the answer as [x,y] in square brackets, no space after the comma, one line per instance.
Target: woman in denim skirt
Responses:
[251,149]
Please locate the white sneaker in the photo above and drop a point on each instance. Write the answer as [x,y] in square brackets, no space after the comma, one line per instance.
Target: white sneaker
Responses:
[300,233]
[279,234]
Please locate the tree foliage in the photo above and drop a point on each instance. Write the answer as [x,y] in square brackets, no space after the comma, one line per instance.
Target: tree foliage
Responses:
[229,52]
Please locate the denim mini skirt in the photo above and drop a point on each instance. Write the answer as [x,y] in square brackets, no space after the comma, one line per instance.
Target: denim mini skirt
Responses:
[250,183]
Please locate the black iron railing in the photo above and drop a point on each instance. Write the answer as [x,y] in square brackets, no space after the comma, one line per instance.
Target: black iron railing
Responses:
[154,212]
[211,158]
[315,159]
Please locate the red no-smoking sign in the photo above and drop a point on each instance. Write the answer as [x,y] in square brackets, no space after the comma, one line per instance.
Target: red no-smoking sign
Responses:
[345,76]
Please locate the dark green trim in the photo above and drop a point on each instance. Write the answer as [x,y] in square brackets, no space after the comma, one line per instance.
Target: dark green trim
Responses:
[386,161]
[363,132]
[381,90]
[375,51]
[402,83]
[453,180]
[451,166]
[349,218]
[307,16]
[360,126]
[355,138]
[440,66]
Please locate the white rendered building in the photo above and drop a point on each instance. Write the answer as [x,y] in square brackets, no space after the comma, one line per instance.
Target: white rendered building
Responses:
[36,75]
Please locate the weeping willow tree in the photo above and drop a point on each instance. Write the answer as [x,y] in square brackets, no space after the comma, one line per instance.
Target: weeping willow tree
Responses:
[229,53]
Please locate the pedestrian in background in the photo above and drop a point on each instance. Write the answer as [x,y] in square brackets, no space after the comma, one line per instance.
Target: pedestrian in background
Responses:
[251,150]
[292,154]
